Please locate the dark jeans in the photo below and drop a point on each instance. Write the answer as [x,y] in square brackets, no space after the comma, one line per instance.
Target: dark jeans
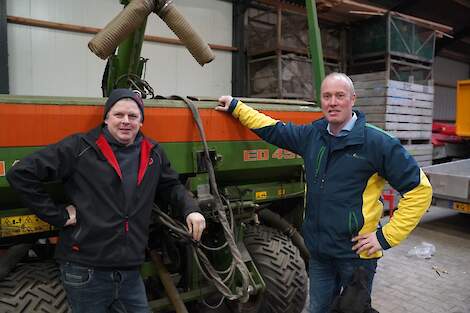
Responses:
[96,291]
[327,277]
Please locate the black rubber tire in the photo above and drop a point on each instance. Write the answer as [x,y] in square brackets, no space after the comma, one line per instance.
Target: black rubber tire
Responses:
[282,268]
[33,287]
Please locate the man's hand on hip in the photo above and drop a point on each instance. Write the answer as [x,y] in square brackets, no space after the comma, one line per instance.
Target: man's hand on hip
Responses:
[196,224]
[366,242]
[72,215]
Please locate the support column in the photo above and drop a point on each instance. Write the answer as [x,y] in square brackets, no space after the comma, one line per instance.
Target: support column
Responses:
[4,82]
[239,58]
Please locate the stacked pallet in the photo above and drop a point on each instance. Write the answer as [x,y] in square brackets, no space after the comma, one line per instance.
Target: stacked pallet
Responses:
[402,109]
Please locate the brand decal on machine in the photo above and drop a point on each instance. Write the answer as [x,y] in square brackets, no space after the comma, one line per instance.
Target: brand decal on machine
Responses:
[264,155]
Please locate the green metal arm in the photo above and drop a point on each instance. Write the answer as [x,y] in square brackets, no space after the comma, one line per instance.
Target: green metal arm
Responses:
[126,62]
[316,53]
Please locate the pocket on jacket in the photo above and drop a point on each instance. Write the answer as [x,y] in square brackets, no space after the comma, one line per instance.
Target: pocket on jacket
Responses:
[77,230]
[340,219]
[75,275]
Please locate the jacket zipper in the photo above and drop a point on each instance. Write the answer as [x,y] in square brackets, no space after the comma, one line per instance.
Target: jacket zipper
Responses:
[330,155]
[126,225]
[317,171]
[319,158]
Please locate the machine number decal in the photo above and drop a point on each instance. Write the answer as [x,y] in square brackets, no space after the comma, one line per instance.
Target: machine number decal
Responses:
[263,155]
[22,225]
[260,195]
[2,168]
[283,154]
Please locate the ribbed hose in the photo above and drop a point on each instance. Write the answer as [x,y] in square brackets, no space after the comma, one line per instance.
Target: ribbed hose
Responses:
[12,257]
[128,20]
[198,48]
[276,221]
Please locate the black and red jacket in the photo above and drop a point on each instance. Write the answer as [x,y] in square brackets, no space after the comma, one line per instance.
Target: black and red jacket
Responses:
[107,234]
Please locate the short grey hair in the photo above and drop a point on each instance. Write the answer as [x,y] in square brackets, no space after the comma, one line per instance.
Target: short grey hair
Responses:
[343,77]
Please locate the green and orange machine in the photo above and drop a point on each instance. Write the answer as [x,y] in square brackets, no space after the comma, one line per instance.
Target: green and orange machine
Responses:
[252,193]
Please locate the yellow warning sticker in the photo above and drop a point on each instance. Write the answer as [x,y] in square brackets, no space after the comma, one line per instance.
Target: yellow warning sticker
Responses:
[22,225]
[260,195]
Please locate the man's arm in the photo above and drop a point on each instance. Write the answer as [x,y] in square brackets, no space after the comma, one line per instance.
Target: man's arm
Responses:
[288,136]
[173,192]
[53,163]
[404,175]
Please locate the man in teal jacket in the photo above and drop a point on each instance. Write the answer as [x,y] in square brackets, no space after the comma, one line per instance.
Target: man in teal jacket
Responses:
[347,163]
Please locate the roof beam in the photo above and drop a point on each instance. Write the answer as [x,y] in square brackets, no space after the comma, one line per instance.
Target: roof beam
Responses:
[445,42]
[465,3]
[403,5]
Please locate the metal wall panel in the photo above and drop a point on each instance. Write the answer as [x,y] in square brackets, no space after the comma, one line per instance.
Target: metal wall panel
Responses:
[446,74]
[52,62]
[444,104]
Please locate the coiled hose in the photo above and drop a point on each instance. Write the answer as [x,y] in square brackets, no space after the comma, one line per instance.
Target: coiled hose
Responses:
[242,294]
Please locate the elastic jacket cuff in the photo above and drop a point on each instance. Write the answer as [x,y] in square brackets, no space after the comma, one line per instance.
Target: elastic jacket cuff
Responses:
[58,220]
[381,238]
[191,210]
[233,105]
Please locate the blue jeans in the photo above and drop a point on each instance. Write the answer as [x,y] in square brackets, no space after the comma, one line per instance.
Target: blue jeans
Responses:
[90,290]
[328,276]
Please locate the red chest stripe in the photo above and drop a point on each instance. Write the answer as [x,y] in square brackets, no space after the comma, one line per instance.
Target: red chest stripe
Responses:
[108,154]
[145,160]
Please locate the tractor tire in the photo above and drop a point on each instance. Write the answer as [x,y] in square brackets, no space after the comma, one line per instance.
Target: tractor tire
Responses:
[282,268]
[33,287]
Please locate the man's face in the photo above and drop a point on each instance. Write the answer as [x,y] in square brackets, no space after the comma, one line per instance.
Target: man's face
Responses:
[124,121]
[337,101]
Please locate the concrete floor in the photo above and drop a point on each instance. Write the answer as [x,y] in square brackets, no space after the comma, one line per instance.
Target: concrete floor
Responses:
[440,284]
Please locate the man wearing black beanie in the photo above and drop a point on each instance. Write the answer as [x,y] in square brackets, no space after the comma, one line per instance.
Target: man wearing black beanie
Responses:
[111,177]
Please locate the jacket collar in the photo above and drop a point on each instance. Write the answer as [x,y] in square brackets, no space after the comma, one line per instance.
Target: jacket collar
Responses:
[355,137]
[97,140]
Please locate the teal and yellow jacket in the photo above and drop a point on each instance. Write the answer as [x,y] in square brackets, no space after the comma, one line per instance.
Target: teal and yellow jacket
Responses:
[345,179]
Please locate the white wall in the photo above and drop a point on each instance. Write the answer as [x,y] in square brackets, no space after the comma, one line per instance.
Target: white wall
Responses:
[447,72]
[51,62]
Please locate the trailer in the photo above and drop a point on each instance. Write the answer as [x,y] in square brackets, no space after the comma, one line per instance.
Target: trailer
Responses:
[451,184]
[451,181]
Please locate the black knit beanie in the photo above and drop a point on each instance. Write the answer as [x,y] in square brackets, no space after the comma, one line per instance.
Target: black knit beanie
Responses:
[121,93]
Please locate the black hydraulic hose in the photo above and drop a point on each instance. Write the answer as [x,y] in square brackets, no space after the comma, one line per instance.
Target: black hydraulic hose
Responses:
[12,257]
[276,221]
[207,270]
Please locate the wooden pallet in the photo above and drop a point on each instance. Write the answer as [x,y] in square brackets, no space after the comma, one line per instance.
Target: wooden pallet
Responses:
[421,153]
[402,109]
